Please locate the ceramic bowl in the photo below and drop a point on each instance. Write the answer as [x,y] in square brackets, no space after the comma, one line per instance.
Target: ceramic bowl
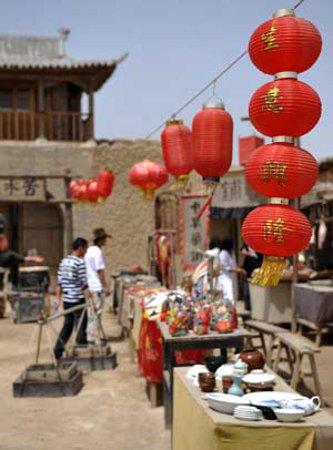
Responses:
[258,377]
[225,403]
[288,415]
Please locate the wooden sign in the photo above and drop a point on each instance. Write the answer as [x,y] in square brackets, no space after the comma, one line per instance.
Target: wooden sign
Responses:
[22,189]
[193,233]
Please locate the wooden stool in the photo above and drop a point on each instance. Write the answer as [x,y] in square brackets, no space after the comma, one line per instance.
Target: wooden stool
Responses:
[269,330]
[300,346]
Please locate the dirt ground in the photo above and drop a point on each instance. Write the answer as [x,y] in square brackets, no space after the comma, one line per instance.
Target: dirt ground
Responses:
[111,411]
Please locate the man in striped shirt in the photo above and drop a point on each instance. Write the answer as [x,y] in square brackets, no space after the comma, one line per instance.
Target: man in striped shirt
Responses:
[73,290]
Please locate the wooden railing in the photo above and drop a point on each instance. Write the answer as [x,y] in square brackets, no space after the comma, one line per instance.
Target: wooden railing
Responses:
[54,126]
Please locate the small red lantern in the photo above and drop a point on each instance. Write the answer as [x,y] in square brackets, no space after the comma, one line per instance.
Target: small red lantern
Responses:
[73,189]
[105,182]
[281,170]
[285,107]
[285,43]
[277,231]
[177,149]
[82,194]
[93,191]
[212,130]
[148,176]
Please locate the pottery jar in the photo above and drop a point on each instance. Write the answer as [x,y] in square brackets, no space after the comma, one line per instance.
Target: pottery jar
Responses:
[253,358]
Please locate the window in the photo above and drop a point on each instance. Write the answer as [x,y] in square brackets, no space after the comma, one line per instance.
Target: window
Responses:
[23,99]
[6,99]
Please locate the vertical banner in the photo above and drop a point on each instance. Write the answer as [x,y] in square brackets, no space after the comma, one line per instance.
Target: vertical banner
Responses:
[193,233]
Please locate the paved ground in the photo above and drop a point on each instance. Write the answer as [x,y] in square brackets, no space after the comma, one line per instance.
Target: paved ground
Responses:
[111,411]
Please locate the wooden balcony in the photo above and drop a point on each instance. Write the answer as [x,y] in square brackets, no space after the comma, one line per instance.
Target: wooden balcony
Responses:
[54,126]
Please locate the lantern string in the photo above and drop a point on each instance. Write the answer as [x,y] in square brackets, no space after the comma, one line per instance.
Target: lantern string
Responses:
[298,4]
[207,86]
[191,100]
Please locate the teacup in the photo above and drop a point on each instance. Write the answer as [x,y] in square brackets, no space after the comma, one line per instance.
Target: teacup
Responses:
[308,405]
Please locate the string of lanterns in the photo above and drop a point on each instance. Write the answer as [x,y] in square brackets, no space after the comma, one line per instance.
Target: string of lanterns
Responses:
[283,109]
[93,190]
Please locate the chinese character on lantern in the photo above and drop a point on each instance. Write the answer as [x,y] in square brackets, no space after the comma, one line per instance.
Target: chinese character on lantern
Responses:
[269,39]
[271,99]
[272,170]
[275,230]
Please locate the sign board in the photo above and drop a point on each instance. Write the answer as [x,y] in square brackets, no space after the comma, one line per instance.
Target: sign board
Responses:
[193,233]
[234,192]
[22,189]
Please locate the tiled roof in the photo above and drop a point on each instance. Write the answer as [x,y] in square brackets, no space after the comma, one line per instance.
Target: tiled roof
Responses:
[48,53]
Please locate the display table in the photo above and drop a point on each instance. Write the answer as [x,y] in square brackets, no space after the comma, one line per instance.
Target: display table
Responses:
[197,427]
[191,341]
[271,304]
[314,306]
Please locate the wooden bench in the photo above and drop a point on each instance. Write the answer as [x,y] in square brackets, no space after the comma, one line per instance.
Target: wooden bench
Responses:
[269,330]
[300,347]
[318,329]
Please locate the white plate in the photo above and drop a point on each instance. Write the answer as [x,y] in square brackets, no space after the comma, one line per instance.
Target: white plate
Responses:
[225,403]
[258,378]
[255,397]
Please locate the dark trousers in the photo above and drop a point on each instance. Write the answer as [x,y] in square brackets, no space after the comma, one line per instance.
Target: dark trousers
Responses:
[71,320]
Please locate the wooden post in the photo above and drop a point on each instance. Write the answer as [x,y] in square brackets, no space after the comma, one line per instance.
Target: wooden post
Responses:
[68,219]
[91,110]
[296,204]
[41,109]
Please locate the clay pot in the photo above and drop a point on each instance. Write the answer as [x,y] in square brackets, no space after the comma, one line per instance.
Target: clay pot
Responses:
[253,358]
[206,381]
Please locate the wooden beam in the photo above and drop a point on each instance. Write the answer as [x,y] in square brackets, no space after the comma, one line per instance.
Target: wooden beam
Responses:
[41,109]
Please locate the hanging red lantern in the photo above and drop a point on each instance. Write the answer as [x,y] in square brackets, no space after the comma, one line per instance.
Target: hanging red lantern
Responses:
[285,107]
[82,194]
[73,189]
[177,149]
[148,176]
[276,231]
[285,43]
[281,170]
[105,182]
[93,191]
[212,130]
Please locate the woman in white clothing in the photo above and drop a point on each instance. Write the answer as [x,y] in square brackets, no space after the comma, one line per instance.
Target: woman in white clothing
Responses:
[228,271]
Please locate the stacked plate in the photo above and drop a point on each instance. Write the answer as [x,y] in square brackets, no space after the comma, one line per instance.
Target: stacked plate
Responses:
[247,413]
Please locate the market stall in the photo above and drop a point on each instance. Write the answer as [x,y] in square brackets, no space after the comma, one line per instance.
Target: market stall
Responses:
[196,426]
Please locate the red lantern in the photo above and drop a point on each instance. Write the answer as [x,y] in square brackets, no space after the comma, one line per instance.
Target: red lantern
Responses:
[212,140]
[281,170]
[277,231]
[105,182]
[82,194]
[285,107]
[177,148]
[285,43]
[93,191]
[148,176]
[73,189]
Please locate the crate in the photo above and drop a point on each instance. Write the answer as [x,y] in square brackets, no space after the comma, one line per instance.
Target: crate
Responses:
[29,306]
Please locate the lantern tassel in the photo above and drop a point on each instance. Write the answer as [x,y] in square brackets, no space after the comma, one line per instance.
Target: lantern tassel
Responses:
[270,271]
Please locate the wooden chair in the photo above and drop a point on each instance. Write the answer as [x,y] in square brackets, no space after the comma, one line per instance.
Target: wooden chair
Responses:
[300,347]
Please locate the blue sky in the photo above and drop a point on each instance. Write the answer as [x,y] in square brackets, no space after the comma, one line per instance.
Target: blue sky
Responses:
[175,47]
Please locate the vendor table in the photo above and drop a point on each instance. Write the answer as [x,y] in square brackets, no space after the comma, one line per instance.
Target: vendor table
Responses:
[197,427]
[191,341]
[314,306]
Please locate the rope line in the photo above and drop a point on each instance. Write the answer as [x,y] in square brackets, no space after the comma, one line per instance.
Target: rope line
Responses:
[207,86]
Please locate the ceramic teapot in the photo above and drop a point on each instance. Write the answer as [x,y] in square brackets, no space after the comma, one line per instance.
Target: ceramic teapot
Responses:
[308,405]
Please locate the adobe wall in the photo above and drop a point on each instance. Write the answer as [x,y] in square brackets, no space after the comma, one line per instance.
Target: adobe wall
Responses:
[124,214]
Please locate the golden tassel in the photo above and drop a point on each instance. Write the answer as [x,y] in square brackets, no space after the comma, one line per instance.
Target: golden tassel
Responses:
[270,271]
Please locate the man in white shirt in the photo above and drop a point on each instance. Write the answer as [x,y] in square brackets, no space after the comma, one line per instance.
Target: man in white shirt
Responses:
[97,284]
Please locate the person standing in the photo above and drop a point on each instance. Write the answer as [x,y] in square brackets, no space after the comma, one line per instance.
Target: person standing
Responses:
[252,260]
[228,271]
[97,284]
[72,289]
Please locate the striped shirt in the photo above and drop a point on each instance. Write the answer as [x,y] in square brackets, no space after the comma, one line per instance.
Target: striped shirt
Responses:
[72,278]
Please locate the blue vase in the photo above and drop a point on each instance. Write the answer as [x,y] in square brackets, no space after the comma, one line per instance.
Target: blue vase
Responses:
[235,388]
